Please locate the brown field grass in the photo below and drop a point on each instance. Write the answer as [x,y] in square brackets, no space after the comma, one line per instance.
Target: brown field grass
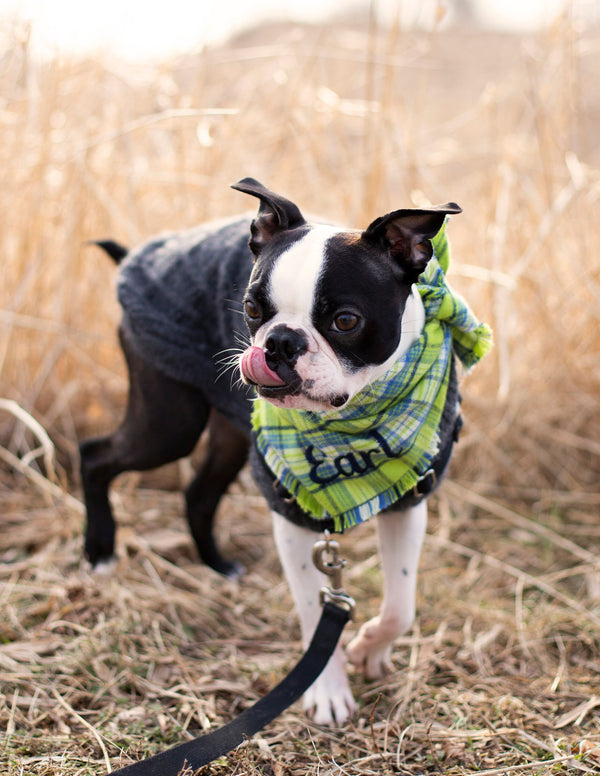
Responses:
[501,673]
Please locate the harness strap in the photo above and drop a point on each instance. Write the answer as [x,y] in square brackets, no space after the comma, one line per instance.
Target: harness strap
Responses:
[194,754]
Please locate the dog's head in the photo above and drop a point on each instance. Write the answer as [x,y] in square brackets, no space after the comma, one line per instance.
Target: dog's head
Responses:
[329,309]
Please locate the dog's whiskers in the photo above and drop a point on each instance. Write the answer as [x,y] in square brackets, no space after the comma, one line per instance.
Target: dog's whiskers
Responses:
[237,308]
[228,361]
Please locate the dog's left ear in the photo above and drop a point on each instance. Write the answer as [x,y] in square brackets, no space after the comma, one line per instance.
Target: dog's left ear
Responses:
[407,235]
[275,213]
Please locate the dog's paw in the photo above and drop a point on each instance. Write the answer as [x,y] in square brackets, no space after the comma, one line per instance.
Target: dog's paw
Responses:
[375,663]
[329,700]
[231,569]
[104,568]
[371,649]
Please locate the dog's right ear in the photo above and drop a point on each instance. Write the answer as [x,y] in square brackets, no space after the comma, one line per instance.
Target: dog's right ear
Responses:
[275,213]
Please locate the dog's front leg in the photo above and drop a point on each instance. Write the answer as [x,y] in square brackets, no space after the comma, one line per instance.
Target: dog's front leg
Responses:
[329,700]
[400,539]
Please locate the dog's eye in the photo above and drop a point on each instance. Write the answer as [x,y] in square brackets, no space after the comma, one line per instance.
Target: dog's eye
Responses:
[345,321]
[252,309]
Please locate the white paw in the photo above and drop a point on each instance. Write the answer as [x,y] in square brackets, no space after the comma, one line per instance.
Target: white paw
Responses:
[105,568]
[371,649]
[329,700]
[375,662]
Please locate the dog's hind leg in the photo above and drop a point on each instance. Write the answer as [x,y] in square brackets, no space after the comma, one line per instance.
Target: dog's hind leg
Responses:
[329,699]
[226,454]
[163,421]
[400,539]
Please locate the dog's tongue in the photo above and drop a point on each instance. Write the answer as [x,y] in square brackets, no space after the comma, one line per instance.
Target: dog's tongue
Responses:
[254,368]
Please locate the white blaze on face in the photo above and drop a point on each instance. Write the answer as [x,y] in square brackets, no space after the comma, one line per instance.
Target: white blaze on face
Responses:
[296,273]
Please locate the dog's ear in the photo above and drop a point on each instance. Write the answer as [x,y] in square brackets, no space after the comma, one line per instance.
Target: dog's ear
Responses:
[275,213]
[407,235]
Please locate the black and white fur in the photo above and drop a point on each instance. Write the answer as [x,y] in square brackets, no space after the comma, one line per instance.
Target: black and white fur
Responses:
[332,310]
[328,310]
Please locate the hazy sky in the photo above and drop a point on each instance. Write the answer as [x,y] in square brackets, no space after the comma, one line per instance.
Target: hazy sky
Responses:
[146,28]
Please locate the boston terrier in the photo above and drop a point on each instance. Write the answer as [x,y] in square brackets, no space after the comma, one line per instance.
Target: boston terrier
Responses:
[348,399]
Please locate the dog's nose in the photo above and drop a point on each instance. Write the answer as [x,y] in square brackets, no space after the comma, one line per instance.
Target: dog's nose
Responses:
[284,345]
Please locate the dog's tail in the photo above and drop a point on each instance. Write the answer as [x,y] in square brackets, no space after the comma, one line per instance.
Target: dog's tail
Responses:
[115,250]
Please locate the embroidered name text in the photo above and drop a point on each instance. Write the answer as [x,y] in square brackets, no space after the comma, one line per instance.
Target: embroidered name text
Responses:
[347,464]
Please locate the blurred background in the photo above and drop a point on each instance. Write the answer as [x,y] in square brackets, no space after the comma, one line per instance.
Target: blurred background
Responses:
[126,119]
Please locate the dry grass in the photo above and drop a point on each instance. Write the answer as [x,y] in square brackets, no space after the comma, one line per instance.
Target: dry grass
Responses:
[501,673]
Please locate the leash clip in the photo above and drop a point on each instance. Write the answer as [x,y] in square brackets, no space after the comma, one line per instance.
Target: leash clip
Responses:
[326,558]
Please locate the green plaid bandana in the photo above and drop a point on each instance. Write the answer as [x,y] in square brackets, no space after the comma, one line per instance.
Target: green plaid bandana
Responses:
[348,465]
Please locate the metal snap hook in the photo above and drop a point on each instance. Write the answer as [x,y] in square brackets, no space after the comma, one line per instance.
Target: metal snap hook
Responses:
[326,558]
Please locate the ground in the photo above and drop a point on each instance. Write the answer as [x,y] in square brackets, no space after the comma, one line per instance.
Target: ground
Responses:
[499,674]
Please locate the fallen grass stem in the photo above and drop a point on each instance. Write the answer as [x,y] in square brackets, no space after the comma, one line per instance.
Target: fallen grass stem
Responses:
[86,724]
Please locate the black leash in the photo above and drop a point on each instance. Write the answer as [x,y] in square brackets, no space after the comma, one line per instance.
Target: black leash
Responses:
[337,610]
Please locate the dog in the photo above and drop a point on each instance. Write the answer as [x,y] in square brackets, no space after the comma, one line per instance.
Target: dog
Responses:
[348,399]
